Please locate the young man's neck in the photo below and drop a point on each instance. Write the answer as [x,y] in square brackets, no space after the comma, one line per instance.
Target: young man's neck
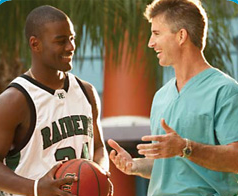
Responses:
[54,79]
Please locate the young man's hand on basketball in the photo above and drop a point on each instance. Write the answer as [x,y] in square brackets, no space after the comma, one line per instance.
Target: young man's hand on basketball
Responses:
[121,158]
[48,185]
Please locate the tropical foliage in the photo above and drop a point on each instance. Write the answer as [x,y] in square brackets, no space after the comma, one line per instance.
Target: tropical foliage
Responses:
[105,22]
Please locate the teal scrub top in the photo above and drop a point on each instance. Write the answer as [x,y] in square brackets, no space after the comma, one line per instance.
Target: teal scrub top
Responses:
[205,111]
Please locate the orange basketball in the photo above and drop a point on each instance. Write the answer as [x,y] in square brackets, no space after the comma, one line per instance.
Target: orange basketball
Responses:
[92,180]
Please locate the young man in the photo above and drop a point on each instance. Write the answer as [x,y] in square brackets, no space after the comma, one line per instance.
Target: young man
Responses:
[47,115]
[194,149]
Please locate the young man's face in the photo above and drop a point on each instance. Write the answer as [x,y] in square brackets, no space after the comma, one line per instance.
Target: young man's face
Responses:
[58,45]
[163,41]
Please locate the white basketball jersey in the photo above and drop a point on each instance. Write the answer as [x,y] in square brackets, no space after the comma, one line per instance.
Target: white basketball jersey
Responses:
[61,127]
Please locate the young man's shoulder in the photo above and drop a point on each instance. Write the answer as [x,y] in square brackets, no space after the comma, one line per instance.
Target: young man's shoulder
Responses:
[90,90]
[87,85]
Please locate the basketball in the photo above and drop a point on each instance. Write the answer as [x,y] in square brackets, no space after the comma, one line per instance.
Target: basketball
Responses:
[92,180]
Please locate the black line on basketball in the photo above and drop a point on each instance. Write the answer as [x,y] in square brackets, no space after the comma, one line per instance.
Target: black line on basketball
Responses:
[99,191]
[79,176]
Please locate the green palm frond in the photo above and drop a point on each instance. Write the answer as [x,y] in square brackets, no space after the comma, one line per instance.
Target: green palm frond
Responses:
[106,23]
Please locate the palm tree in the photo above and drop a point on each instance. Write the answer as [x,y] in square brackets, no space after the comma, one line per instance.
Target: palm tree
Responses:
[106,23]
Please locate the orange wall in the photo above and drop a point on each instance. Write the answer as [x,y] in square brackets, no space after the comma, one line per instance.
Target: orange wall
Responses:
[124,185]
[128,88]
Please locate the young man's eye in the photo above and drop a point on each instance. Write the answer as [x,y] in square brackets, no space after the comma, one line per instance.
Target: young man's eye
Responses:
[61,42]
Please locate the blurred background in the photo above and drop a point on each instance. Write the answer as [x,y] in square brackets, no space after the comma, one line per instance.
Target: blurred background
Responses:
[112,54]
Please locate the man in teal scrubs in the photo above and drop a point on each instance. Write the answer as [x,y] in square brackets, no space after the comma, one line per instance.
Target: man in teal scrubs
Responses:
[194,117]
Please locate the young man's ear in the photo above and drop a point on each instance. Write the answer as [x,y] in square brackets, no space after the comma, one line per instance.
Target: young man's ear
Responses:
[34,44]
[182,36]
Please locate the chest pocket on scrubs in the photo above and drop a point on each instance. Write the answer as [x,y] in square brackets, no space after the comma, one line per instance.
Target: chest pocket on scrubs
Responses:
[197,127]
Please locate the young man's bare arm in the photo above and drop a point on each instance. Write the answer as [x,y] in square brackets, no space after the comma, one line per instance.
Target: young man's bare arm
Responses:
[100,152]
